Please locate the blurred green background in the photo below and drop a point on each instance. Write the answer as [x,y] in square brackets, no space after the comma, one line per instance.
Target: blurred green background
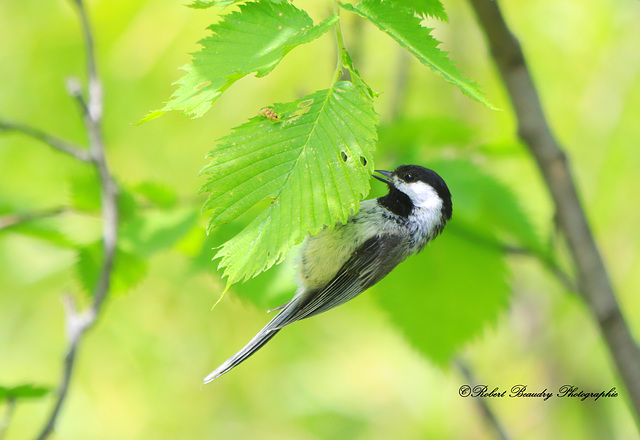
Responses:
[349,374]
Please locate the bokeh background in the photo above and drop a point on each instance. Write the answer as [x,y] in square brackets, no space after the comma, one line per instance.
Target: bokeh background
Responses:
[349,374]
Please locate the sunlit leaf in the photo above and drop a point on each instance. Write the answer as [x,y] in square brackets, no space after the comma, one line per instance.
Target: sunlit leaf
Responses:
[485,208]
[313,163]
[85,195]
[46,229]
[157,230]
[405,28]
[162,196]
[424,8]
[26,391]
[445,296]
[204,4]
[128,270]
[459,284]
[267,290]
[413,135]
[253,39]
[84,191]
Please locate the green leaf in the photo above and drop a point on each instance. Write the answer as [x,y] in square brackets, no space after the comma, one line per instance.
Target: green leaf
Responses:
[162,196]
[355,75]
[128,269]
[254,39]
[267,290]
[446,295]
[26,391]
[412,135]
[84,195]
[314,163]
[157,230]
[203,4]
[84,191]
[405,28]
[459,284]
[47,229]
[485,208]
[424,8]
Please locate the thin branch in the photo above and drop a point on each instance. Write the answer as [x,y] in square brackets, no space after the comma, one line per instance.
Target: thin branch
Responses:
[593,281]
[488,415]
[52,141]
[94,84]
[546,259]
[6,419]
[549,263]
[79,322]
[11,220]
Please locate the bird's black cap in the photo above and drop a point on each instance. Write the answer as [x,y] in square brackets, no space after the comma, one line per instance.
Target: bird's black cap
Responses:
[399,203]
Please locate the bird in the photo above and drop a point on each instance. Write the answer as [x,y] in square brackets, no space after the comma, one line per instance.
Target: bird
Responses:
[337,264]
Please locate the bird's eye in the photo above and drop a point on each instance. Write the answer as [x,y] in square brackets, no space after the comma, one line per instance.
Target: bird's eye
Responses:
[409,178]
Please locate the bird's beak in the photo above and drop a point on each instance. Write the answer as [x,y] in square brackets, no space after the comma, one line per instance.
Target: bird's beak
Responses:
[384,173]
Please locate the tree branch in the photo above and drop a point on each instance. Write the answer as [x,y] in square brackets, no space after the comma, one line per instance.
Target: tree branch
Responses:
[10,220]
[79,322]
[52,141]
[548,262]
[6,419]
[491,419]
[593,281]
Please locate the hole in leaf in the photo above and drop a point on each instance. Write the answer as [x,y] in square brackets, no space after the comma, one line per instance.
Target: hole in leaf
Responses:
[363,161]
[344,156]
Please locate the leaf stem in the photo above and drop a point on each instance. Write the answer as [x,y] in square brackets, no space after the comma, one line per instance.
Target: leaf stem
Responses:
[11,220]
[54,142]
[340,47]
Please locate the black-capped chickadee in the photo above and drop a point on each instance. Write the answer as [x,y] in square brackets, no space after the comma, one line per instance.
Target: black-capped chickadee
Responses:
[338,264]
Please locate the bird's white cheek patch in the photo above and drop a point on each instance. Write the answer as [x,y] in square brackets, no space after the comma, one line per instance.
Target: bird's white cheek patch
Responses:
[423,195]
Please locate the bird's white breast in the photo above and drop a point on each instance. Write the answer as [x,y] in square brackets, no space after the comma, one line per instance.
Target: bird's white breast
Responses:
[323,254]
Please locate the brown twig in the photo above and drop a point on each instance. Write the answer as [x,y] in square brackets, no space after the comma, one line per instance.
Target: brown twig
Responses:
[488,415]
[547,259]
[79,322]
[10,220]
[52,141]
[548,262]
[6,419]
[593,281]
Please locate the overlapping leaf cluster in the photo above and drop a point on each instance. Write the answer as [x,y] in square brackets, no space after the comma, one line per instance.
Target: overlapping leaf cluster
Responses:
[308,162]
[253,39]
[295,160]
[314,163]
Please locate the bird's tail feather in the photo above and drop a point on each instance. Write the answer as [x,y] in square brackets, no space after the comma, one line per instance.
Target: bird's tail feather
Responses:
[258,341]
[268,332]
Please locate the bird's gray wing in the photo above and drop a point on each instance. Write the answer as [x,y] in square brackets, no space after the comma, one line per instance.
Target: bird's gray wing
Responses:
[368,264]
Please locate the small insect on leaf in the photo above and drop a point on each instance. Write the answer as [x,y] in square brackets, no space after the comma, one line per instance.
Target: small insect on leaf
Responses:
[269,113]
